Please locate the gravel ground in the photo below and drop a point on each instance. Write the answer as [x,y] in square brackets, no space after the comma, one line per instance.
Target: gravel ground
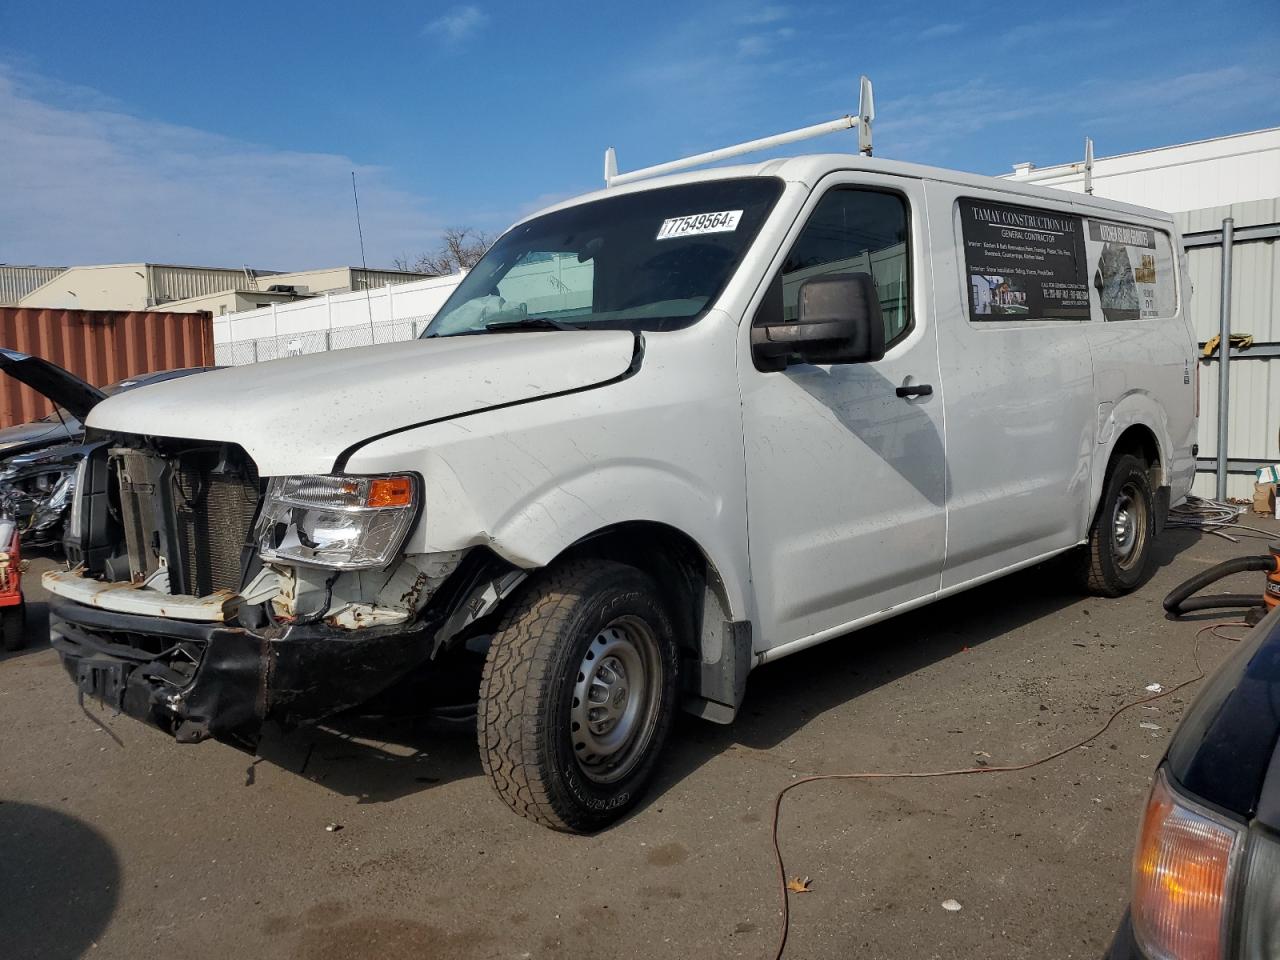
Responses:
[117,842]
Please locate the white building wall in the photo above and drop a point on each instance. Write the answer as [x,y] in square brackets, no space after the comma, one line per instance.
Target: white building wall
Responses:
[121,286]
[1189,176]
[332,321]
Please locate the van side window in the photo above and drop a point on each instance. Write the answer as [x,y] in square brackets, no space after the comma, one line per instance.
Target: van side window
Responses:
[1023,263]
[1132,270]
[856,231]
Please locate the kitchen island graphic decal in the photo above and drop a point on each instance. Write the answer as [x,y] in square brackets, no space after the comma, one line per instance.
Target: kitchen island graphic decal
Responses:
[1126,275]
[1023,264]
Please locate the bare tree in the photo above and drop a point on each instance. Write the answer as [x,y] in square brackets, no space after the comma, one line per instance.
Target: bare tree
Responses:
[460,249]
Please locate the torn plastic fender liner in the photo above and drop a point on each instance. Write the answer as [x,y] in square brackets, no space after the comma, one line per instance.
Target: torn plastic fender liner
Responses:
[235,679]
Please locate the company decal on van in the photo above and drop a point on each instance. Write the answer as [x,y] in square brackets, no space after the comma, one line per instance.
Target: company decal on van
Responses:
[1128,270]
[726,221]
[1023,264]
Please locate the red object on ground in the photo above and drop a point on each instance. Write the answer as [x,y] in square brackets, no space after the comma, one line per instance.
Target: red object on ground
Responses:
[11,569]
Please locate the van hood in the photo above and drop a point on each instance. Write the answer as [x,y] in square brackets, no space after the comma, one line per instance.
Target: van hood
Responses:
[61,386]
[304,414]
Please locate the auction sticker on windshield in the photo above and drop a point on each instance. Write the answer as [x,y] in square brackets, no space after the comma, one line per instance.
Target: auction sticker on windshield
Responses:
[725,221]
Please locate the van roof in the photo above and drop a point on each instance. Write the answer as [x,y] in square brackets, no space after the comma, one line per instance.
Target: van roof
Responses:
[810,168]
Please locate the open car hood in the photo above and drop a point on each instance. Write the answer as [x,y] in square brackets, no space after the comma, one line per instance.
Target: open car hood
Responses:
[304,414]
[61,386]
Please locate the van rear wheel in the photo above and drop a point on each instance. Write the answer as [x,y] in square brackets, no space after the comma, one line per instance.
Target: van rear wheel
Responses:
[1117,558]
[578,695]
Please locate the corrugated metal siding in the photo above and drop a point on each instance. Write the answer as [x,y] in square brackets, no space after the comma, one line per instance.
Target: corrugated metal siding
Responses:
[1254,411]
[17,282]
[363,279]
[178,283]
[100,346]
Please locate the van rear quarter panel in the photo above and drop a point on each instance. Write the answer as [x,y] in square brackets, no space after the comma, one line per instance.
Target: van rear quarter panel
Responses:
[1144,373]
[1065,393]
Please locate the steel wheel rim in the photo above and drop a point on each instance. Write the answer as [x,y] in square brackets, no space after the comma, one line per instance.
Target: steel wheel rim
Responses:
[1129,526]
[614,708]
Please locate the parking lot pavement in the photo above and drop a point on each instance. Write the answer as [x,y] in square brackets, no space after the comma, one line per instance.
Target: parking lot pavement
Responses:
[117,842]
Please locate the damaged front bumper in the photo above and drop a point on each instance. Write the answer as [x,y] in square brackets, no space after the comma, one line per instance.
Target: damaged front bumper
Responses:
[201,680]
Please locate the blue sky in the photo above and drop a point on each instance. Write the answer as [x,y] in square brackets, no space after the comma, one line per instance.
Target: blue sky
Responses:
[225,133]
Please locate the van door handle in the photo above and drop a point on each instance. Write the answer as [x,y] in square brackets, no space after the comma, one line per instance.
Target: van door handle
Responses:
[915,390]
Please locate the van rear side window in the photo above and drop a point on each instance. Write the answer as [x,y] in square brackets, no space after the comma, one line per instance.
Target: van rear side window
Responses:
[1022,263]
[1132,270]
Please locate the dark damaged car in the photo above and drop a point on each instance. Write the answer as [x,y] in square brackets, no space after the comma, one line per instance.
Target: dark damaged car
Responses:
[38,460]
[1206,872]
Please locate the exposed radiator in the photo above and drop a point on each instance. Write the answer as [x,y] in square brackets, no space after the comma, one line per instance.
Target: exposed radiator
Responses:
[215,512]
[194,509]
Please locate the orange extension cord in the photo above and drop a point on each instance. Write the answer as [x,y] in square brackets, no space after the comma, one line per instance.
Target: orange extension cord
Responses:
[965,771]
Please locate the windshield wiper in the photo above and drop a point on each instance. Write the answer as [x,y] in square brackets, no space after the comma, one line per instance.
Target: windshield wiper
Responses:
[529,323]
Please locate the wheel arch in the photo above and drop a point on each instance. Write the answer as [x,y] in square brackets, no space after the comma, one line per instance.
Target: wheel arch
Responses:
[716,646]
[683,571]
[1135,424]
[1142,440]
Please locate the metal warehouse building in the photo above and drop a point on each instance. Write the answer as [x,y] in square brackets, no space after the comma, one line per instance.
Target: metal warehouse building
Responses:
[1225,188]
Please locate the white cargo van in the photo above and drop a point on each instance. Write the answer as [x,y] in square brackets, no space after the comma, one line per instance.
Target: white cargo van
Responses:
[659,435]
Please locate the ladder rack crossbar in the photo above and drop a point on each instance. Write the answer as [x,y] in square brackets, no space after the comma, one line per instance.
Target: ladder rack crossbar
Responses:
[862,122]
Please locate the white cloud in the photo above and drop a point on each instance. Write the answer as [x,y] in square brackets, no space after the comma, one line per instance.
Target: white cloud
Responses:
[1027,34]
[762,15]
[940,30]
[458,24]
[931,124]
[90,183]
[763,44]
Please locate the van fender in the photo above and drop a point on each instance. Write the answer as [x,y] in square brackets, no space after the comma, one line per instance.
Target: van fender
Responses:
[534,530]
[1134,409]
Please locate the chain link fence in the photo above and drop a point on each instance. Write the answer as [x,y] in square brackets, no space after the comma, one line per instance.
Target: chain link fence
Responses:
[241,352]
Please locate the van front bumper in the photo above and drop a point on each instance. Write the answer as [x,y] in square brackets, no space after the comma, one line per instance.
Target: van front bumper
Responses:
[197,681]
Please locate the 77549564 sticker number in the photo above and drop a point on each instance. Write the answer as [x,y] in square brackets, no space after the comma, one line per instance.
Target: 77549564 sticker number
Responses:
[725,221]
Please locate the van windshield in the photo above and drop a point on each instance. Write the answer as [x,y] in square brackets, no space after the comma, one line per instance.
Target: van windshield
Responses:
[652,260]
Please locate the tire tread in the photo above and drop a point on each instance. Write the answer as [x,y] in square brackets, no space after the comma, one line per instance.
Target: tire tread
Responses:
[515,686]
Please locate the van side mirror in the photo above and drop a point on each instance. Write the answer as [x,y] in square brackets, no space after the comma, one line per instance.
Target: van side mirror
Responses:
[838,320]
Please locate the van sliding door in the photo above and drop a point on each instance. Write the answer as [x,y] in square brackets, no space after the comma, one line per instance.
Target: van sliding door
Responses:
[1013,337]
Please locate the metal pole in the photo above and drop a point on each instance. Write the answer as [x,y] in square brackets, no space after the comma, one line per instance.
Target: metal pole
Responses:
[1224,357]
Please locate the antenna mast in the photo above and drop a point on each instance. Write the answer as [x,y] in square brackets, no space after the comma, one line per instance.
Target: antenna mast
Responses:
[364,265]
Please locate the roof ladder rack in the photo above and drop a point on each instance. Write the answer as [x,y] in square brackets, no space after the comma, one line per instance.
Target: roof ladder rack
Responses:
[866,113]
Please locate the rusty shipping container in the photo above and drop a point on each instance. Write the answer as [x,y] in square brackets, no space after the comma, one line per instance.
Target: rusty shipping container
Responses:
[100,346]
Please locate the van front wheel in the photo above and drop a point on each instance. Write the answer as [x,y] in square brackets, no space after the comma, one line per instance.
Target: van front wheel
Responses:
[578,695]
[1117,558]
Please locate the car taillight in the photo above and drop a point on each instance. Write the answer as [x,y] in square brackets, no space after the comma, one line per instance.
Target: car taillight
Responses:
[1182,874]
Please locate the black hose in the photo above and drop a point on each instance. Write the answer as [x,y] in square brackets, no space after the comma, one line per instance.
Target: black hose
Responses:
[1216,600]
[1176,603]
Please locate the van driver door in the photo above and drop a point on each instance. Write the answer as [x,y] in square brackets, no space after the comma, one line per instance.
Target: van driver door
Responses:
[845,462]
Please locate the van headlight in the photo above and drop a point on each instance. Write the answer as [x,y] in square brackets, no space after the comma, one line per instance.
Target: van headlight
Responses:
[345,523]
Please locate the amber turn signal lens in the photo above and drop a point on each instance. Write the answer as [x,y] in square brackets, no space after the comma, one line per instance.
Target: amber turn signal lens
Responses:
[1181,878]
[390,492]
